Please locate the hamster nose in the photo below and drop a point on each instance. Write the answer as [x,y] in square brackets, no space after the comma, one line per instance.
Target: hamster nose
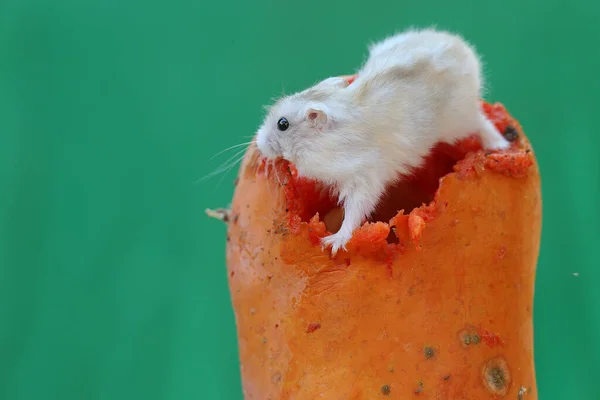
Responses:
[264,147]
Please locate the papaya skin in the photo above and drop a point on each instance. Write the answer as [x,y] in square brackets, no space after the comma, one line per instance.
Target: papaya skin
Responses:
[433,303]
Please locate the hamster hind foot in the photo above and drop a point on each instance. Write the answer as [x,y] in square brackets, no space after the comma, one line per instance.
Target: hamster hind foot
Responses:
[337,241]
[359,202]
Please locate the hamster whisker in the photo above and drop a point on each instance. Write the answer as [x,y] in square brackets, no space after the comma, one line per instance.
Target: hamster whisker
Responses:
[226,166]
[233,164]
[231,148]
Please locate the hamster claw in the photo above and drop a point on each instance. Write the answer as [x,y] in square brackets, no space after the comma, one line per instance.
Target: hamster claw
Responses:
[336,241]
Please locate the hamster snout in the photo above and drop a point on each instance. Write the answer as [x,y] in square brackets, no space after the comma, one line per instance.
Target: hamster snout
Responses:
[264,145]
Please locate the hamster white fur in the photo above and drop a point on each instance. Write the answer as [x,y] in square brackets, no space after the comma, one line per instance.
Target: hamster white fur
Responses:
[416,89]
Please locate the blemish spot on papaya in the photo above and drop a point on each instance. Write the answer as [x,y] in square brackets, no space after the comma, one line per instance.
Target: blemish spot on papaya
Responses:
[276,378]
[522,392]
[313,327]
[386,390]
[429,352]
[419,389]
[496,376]
[469,336]
[281,230]
[491,339]
[501,253]
[510,133]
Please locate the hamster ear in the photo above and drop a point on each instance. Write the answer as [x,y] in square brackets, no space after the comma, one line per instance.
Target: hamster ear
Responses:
[316,117]
[340,82]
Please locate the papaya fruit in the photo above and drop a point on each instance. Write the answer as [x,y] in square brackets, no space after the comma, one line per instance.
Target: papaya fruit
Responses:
[433,298]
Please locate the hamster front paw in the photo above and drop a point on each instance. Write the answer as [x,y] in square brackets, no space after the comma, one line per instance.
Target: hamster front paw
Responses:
[337,241]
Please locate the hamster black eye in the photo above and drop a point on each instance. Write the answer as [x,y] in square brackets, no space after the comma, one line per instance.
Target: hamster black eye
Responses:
[283,124]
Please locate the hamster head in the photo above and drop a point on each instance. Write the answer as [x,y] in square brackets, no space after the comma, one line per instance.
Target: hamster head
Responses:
[291,128]
[298,127]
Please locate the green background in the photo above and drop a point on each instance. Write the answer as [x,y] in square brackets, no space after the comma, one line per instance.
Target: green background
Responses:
[112,280]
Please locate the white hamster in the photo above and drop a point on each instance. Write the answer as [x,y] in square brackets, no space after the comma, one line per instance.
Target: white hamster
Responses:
[416,89]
